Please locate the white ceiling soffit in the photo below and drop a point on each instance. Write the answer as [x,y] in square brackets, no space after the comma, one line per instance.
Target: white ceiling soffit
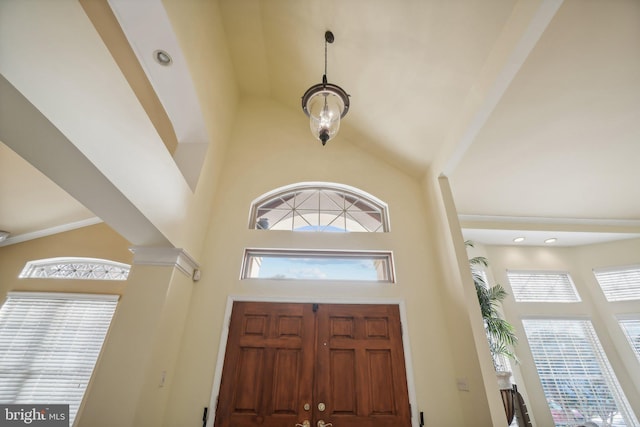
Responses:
[499,230]
[537,238]
[148,29]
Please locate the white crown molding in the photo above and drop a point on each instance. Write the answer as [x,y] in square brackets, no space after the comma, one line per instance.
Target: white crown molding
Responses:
[50,231]
[169,257]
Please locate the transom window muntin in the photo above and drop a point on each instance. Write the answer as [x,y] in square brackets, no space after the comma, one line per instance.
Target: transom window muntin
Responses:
[322,207]
[75,268]
[327,265]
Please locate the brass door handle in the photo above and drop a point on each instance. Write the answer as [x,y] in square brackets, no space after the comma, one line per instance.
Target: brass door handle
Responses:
[305,423]
[321,423]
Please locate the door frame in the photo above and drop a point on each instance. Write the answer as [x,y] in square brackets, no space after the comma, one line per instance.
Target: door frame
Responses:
[224,335]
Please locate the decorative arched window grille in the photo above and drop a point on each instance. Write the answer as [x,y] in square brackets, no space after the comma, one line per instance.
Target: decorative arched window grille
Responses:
[319,206]
[75,268]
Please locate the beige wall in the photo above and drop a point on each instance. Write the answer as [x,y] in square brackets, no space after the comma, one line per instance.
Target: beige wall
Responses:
[472,360]
[579,262]
[199,29]
[269,147]
[144,338]
[96,241]
[272,147]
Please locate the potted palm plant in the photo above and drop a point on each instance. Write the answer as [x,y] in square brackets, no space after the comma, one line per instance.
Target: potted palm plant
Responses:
[501,335]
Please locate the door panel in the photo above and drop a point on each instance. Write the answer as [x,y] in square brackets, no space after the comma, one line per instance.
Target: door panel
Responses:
[268,368]
[280,357]
[360,371]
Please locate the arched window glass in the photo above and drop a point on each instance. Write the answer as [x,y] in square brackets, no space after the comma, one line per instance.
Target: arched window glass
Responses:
[75,268]
[323,207]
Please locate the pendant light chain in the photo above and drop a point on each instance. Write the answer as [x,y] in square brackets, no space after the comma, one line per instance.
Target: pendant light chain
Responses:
[325,56]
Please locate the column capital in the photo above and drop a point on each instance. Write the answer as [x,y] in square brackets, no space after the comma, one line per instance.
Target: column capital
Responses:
[172,257]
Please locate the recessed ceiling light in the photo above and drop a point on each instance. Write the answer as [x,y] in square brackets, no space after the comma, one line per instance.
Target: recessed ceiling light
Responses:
[162,57]
[518,239]
[551,240]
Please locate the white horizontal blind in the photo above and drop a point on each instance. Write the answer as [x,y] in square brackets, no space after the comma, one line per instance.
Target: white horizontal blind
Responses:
[631,328]
[576,376]
[534,286]
[49,344]
[620,284]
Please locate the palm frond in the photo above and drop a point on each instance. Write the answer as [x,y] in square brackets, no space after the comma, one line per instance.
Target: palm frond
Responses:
[496,294]
[479,260]
[501,335]
[501,330]
[503,350]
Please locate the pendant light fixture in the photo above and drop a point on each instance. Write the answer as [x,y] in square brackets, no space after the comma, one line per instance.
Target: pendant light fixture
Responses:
[325,103]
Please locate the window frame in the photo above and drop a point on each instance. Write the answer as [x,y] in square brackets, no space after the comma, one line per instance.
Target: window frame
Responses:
[607,373]
[385,256]
[39,269]
[329,186]
[517,298]
[625,318]
[614,295]
[52,341]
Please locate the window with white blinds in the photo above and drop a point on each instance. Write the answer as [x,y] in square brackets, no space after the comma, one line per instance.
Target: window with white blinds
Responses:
[536,286]
[576,377]
[619,284]
[631,328]
[49,344]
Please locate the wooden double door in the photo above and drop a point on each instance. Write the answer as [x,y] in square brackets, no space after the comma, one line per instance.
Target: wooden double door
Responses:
[289,364]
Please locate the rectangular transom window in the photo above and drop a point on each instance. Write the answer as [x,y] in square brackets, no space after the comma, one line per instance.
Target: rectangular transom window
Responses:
[537,286]
[49,345]
[370,266]
[631,328]
[619,284]
[576,376]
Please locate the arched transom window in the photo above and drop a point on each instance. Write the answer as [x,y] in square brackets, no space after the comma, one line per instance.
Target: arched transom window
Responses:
[321,207]
[75,268]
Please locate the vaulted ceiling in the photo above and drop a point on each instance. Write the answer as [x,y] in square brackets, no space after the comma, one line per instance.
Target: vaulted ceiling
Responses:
[530,107]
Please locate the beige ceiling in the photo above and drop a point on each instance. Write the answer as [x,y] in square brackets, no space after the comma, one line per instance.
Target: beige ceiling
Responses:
[531,108]
[30,202]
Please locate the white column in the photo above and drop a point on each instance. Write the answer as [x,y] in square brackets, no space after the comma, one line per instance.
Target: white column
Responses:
[133,378]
